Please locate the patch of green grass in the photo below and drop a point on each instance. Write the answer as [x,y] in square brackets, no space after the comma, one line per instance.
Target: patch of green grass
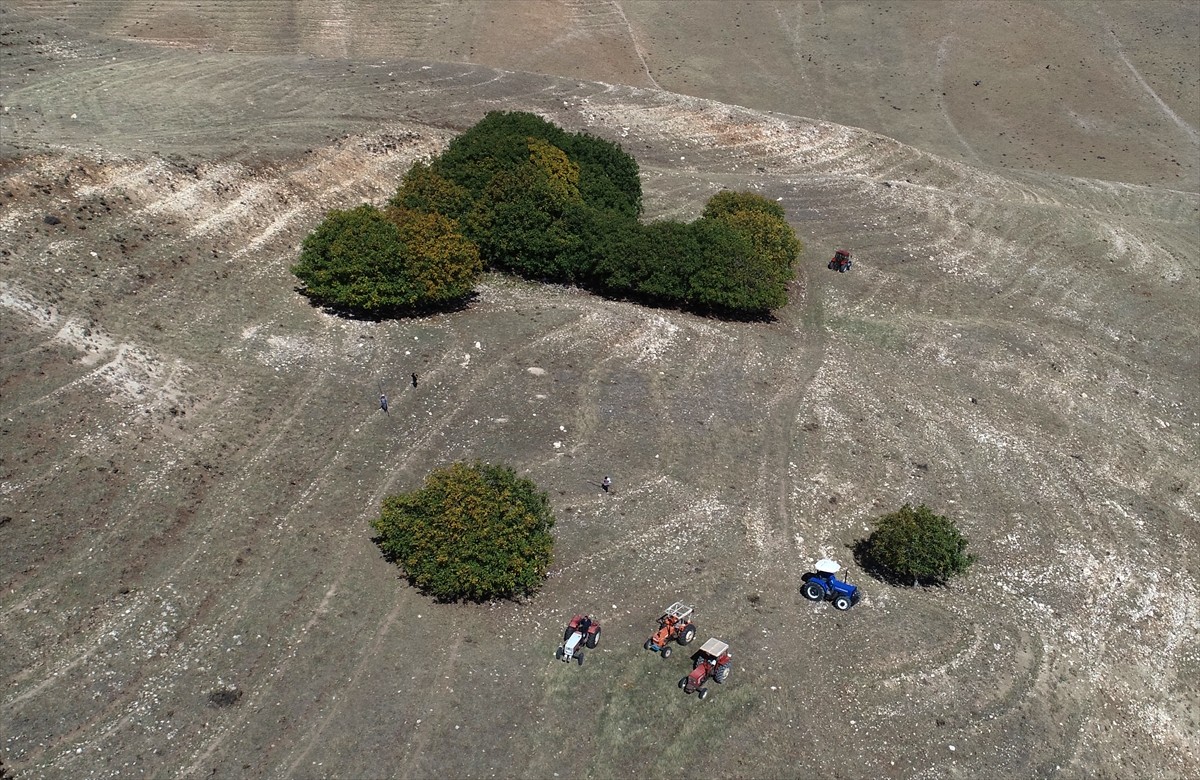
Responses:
[877,333]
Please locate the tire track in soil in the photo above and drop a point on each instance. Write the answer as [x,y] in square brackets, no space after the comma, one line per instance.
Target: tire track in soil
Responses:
[414,443]
[774,483]
[176,529]
[416,747]
[368,654]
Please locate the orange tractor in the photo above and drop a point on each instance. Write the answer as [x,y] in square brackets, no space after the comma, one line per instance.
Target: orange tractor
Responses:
[674,625]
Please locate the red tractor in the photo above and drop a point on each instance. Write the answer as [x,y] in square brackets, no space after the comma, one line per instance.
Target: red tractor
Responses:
[675,624]
[712,661]
[582,630]
[841,262]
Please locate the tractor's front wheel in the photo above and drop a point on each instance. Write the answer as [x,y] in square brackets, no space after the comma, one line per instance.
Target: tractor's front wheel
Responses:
[594,639]
[702,693]
[812,591]
[666,652]
[579,658]
[842,603]
[558,654]
[688,635]
[647,645]
[721,674]
[682,682]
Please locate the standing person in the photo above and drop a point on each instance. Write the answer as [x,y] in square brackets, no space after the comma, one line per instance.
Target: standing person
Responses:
[606,483]
[383,403]
[414,379]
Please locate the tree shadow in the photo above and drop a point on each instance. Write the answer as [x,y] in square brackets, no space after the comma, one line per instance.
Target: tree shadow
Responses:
[655,302]
[390,313]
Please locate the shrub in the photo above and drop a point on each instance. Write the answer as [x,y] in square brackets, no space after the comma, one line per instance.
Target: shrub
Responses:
[914,545]
[474,531]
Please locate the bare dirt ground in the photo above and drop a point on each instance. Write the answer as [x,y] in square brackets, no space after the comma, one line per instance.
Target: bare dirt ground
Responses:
[191,454]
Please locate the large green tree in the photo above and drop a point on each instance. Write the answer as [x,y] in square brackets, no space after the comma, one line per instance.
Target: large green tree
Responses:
[366,261]
[355,260]
[609,176]
[441,263]
[527,219]
[915,545]
[475,531]
[424,189]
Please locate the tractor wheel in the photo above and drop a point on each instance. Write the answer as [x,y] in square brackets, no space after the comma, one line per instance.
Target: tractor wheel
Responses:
[688,635]
[593,639]
[647,645]
[558,654]
[666,652]
[579,658]
[842,603]
[812,591]
[682,682]
[721,674]
[567,634]
[702,693]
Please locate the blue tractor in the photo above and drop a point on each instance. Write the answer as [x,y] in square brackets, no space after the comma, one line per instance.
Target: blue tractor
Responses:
[822,585]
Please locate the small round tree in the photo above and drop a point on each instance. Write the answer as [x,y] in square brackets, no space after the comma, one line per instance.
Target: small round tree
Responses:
[474,532]
[915,545]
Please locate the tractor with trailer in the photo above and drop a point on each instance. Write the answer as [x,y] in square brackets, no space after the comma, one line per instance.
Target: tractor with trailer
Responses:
[841,262]
[822,585]
[711,662]
[582,631]
[674,625]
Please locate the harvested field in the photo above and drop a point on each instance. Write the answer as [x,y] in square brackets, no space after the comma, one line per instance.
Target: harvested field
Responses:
[190,454]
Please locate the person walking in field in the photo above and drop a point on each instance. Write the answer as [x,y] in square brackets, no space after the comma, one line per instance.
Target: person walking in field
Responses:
[414,379]
[383,403]
[606,483]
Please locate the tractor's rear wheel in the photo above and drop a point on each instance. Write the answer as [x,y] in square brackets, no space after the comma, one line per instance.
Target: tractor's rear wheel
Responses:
[688,635]
[666,652]
[702,693]
[722,673]
[567,633]
[594,639]
[812,591]
[842,603]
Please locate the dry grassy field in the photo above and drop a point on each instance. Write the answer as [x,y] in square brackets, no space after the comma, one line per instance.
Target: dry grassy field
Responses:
[190,454]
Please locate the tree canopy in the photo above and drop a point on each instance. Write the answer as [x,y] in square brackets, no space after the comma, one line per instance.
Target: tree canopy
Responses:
[516,193]
[916,546]
[475,531]
[367,262]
